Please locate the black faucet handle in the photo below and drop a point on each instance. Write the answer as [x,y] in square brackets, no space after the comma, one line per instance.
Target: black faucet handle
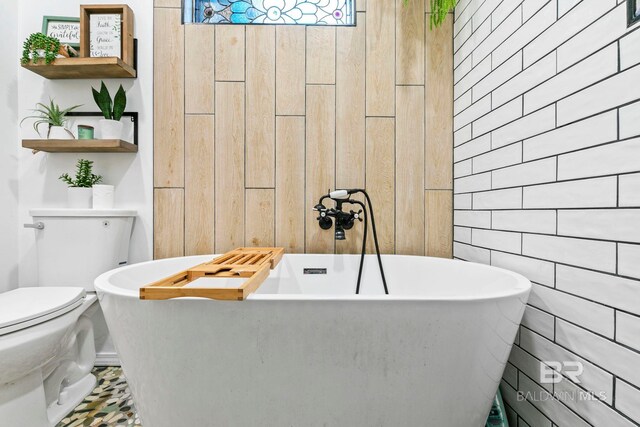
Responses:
[325,222]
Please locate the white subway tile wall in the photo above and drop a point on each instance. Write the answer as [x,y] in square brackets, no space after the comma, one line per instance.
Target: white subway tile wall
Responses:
[547,184]
[628,330]
[501,12]
[527,79]
[462,103]
[629,188]
[630,115]
[510,198]
[511,376]
[592,378]
[628,401]
[525,127]
[532,221]
[462,135]
[504,72]
[629,52]
[585,133]
[538,321]
[629,261]
[462,168]
[565,5]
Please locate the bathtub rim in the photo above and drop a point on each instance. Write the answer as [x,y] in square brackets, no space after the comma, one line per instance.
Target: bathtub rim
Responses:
[521,288]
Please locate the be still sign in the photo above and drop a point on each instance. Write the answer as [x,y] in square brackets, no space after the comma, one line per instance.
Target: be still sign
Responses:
[105,35]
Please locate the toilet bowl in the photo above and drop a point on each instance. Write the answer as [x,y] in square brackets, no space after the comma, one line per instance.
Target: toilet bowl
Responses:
[46,354]
[47,347]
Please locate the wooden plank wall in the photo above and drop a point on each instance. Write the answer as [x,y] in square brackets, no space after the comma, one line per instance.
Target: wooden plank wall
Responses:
[252,124]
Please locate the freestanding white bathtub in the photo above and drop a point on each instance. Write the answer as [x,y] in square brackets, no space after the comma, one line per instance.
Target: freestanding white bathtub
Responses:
[305,351]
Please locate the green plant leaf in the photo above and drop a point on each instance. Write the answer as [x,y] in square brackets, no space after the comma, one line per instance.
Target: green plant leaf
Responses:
[106,97]
[84,177]
[95,179]
[103,101]
[96,98]
[37,123]
[49,114]
[68,110]
[439,11]
[67,179]
[55,118]
[119,103]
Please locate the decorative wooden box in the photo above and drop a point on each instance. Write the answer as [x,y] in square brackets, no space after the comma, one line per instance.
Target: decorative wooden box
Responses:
[86,10]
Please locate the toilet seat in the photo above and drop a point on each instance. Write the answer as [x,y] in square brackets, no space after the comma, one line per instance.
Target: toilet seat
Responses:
[25,307]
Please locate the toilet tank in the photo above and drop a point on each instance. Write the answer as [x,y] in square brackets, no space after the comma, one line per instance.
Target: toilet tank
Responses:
[77,245]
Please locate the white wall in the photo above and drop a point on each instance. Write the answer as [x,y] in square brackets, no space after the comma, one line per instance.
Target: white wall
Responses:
[9,49]
[547,155]
[131,173]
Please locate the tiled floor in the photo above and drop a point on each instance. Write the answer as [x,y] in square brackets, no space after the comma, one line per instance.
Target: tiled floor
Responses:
[109,405]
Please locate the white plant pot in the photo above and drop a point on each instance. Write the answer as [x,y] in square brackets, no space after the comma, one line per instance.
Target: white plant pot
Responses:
[79,197]
[110,129]
[41,54]
[103,196]
[59,132]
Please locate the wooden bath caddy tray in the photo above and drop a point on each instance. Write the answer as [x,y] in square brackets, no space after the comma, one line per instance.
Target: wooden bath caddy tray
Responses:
[251,264]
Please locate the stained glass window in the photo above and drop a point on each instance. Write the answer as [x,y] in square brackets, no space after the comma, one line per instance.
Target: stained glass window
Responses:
[633,12]
[301,12]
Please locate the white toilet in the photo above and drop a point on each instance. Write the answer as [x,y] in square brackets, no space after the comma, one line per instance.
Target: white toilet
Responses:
[47,346]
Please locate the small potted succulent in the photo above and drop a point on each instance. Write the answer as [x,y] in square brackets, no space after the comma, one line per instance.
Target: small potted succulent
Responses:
[54,117]
[40,46]
[110,126]
[80,188]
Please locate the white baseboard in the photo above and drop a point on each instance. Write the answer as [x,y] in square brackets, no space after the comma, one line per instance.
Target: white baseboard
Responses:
[107,359]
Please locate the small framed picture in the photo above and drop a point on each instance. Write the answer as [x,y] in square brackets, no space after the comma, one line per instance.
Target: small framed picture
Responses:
[105,34]
[106,31]
[64,28]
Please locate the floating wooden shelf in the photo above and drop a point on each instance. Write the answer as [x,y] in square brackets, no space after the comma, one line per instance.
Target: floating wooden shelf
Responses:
[80,145]
[249,266]
[83,68]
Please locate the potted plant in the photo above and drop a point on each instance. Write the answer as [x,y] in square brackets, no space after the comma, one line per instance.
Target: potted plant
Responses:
[110,126]
[80,188]
[55,118]
[38,46]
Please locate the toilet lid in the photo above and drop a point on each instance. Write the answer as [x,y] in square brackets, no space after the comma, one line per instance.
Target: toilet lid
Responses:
[25,307]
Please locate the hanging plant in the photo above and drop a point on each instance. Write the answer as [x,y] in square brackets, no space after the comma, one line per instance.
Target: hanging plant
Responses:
[38,46]
[439,11]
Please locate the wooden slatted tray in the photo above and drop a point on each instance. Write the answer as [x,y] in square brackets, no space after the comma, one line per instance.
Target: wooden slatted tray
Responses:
[251,264]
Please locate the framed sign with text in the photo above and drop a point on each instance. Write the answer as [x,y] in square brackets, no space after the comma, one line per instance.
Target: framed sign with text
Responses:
[106,31]
[64,28]
[105,35]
